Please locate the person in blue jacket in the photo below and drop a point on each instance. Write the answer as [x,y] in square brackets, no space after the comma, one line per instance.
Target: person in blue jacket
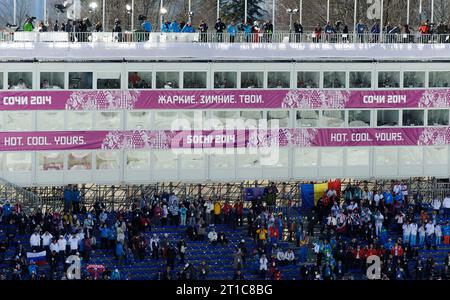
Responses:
[174,26]
[232,31]
[188,28]
[147,26]
[165,27]
[247,28]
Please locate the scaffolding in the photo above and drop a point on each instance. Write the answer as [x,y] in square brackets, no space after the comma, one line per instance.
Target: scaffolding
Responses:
[51,198]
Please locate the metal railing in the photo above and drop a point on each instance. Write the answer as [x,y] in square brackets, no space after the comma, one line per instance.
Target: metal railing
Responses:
[240,37]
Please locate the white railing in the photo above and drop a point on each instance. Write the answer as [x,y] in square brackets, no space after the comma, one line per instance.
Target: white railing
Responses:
[240,37]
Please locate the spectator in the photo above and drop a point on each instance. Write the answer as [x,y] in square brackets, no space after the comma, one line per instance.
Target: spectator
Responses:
[188,28]
[165,27]
[219,27]
[174,26]
[203,28]
[361,30]
[212,237]
[232,31]
[446,206]
[263,266]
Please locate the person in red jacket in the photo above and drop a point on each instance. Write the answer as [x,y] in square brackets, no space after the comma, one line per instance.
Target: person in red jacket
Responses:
[239,206]
[371,251]
[360,256]
[397,251]
[226,211]
[273,234]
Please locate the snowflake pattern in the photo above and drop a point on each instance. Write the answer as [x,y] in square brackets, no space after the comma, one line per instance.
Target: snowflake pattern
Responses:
[434,137]
[435,98]
[137,139]
[262,138]
[105,100]
[309,99]
[301,137]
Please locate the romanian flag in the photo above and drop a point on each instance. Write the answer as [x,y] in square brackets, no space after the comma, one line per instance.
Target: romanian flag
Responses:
[319,189]
[311,193]
[38,257]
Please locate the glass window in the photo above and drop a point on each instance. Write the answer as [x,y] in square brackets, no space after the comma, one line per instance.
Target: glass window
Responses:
[251,118]
[387,118]
[281,116]
[79,120]
[248,160]
[52,80]
[358,118]
[80,80]
[333,118]
[305,157]
[332,157]
[140,80]
[193,118]
[164,160]
[436,155]
[50,120]
[18,120]
[194,80]
[138,120]
[308,118]
[334,80]
[439,79]
[193,161]
[18,161]
[360,80]
[388,79]
[108,80]
[107,160]
[50,161]
[225,80]
[385,156]
[308,80]
[413,79]
[437,117]
[164,119]
[20,80]
[79,160]
[357,157]
[1,81]
[221,161]
[251,80]
[413,117]
[107,120]
[167,80]
[410,156]
[138,160]
[279,80]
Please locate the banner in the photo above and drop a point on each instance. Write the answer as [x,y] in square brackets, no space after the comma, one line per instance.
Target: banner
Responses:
[253,193]
[222,99]
[38,257]
[221,139]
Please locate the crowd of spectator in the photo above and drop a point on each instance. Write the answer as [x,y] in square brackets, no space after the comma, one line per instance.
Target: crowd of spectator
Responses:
[340,233]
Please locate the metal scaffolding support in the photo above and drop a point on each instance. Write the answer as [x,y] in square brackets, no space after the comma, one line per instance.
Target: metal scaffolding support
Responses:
[124,196]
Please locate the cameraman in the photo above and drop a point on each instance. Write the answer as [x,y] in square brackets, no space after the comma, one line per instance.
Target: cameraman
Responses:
[118,30]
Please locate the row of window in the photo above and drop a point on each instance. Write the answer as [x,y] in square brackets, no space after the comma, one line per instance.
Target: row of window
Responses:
[110,120]
[168,160]
[229,79]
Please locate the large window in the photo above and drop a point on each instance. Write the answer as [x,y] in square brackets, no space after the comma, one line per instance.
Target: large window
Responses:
[387,118]
[278,118]
[388,79]
[20,80]
[18,161]
[251,80]
[439,79]
[335,80]
[437,117]
[79,160]
[194,80]
[50,161]
[18,120]
[167,80]
[108,80]
[140,80]
[279,80]
[413,117]
[80,80]
[1,81]
[52,80]
[358,118]
[50,120]
[225,80]
[106,120]
[308,118]
[333,118]
[79,120]
[360,80]
[138,120]
[107,160]
[413,79]
[308,80]
[138,160]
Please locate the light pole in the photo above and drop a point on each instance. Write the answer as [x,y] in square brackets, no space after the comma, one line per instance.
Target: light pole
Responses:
[103,15]
[301,11]
[432,11]
[354,20]
[15,11]
[45,13]
[93,6]
[245,11]
[273,14]
[189,11]
[328,11]
[132,15]
[163,11]
[129,9]
[420,11]
[381,22]
[218,9]
[291,12]
[407,12]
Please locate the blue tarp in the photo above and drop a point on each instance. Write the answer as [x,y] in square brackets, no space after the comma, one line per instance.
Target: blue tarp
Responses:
[307,195]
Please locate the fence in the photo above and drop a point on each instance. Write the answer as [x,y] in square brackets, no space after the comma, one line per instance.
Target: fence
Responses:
[241,37]
[18,195]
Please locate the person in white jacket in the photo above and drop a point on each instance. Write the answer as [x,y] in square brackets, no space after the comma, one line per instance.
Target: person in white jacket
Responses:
[46,240]
[263,264]
[413,234]
[62,246]
[73,244]
[35,241]
[281,259]
[379,218]
[54,246]
[290,256]
[406,232]
[438,234]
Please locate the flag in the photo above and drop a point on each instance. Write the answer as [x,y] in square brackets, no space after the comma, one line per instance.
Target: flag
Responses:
[335,185]
[319,189]
[38,257]
[307,195]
